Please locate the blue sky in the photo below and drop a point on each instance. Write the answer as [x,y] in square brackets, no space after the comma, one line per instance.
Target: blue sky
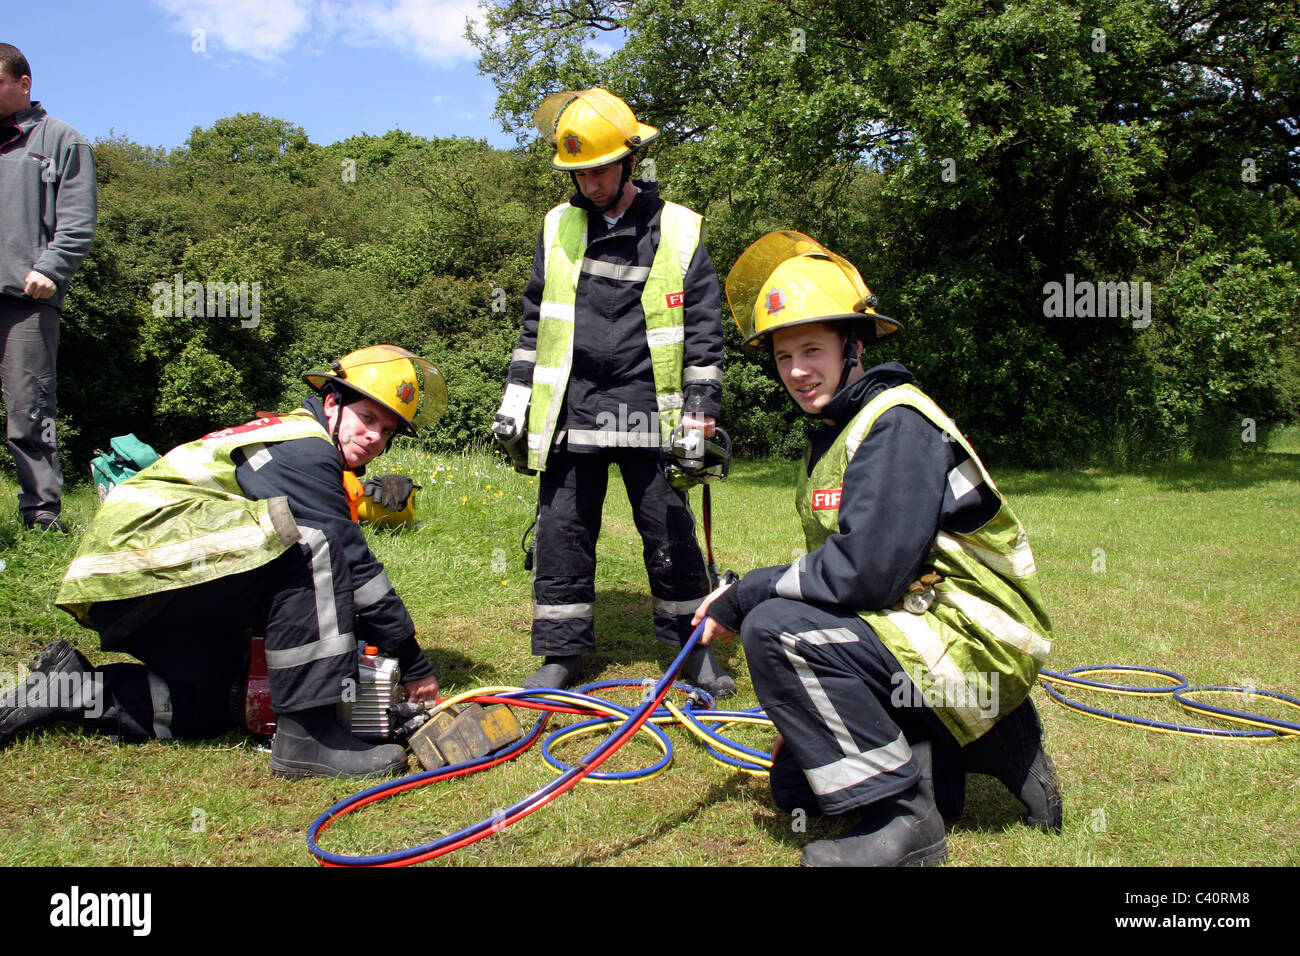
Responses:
[131,67]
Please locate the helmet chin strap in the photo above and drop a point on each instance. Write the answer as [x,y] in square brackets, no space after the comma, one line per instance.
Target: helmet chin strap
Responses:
[338,421]
[850,360]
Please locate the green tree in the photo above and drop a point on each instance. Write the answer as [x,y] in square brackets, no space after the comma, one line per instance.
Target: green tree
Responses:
[964,153]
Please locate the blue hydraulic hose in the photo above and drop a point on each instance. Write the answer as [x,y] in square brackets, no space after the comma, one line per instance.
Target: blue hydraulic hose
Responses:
[499,821]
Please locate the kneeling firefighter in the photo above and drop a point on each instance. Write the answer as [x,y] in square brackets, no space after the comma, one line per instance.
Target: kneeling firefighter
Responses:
[898,653]
[246,530]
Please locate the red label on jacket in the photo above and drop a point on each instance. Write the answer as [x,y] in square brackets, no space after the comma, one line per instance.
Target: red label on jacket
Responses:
[675,299]
[240,429]
[827,499]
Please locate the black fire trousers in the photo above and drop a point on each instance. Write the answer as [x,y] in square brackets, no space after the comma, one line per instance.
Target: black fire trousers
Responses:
[841,701]
[570,498]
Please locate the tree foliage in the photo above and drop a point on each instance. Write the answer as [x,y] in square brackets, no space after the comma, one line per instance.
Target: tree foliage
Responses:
[423,243]
[966,153]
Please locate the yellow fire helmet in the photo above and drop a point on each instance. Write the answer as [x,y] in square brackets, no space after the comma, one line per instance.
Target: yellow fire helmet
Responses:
[590,128]
[786,279]
[375,513]
[403,383]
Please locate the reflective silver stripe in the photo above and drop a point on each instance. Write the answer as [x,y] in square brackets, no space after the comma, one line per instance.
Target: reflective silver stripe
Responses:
[330,640]
[161,698]
[523,355]
[313,651]
[173,555]
[960,698]
[534,441]
[256,456]
[701,373]
[964,479]
[610,270]
[546,374]
[787,585]
[855,766]
[669,400]
[374,590]
[678,607]
[592,437]
[560,311]
[999,623]
[561,612]
[599,438]
[193,464]
[670,335]
[857,433]
[135,495]
[1018,564]
[831,635]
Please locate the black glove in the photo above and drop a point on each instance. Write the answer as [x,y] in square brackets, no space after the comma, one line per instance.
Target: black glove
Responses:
[725,608]
[391,491]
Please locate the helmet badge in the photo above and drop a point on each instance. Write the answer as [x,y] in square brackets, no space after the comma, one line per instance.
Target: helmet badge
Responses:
[405,393]
[775,301]
[573,145]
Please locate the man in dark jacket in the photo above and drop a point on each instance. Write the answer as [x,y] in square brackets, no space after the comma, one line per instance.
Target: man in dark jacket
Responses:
[246,529]
[899,651]
[621,340]
[47,194]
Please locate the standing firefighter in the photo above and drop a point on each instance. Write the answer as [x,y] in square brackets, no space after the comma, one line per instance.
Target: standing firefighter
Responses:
[621,342]
[905,642]
[246,530]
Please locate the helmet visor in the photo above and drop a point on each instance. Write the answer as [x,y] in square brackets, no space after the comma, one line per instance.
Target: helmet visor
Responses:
[433,394]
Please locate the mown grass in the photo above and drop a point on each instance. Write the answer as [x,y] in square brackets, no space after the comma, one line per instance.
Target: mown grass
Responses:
[1190,567]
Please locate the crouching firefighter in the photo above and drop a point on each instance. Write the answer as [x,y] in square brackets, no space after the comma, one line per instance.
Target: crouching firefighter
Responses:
[898,653]
[246,530]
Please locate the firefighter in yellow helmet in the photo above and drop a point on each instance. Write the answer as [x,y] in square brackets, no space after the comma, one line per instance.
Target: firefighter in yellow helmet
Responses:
[898,653]
[246,530]
[387,375]
[621,343]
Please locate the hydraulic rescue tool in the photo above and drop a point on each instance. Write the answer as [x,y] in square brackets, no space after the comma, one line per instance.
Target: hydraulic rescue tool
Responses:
[694,458]
[448,737]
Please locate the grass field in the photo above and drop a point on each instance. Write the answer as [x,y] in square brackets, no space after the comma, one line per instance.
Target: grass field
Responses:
[1192,568]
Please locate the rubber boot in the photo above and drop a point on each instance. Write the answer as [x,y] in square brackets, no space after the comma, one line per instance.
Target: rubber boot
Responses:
[904,830]
[789,785]
[1013,752]
[57,688]
[312,743]
[558,672]
[703,671]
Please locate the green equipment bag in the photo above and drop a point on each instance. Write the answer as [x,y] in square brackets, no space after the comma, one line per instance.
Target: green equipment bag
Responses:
[126,455]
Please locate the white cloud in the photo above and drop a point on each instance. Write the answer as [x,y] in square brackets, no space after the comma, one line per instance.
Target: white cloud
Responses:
[259,28]
[431,30]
